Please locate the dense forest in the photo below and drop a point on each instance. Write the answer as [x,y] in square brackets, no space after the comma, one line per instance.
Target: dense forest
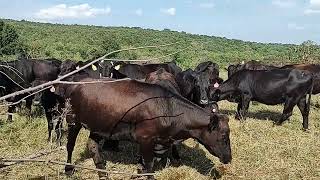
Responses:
[80,42]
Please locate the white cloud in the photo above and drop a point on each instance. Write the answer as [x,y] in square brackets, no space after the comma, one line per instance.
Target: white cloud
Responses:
[207,5]
[77,11]
[294,26]
[284,3]
[170,11]
[315,4]
[311,11]
[313,8]
[139,12]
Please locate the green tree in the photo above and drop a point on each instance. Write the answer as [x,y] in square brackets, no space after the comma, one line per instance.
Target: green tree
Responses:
[9,40]
[110,44]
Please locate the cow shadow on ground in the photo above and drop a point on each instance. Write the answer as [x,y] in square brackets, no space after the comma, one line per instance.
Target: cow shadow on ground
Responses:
[193,157]
[259,115]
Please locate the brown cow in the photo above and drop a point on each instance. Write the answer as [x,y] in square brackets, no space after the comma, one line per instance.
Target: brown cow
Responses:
[147,114]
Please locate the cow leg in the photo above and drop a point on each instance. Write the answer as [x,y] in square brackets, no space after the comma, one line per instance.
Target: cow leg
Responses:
[50,123]
[175,152]
[72,137]
[96,153]
[238,115]
[146,150]
[58,130]
[304,109]
[175,157]
[287,111]
[243,107]
[28,106]
[11,110]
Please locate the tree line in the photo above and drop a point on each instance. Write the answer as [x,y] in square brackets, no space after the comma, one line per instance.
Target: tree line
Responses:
[82,42]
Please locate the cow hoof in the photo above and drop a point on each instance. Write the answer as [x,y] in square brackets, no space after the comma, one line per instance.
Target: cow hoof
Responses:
[277,123]
[306,130]
[103,177]
[176,162]
[69,170]
[237,117]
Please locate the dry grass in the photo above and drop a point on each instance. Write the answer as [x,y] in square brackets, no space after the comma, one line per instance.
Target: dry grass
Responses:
[260,151]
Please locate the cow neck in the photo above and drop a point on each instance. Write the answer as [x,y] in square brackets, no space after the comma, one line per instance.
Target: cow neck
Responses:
[194,117]
[227,86]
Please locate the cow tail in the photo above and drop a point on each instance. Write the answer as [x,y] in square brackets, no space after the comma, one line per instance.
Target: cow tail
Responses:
[310,93]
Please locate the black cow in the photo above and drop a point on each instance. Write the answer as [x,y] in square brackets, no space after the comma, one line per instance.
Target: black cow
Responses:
[195,85]
[22,73]
[314,69]
[152,116]
[250,65]
[136,71]
[269,87]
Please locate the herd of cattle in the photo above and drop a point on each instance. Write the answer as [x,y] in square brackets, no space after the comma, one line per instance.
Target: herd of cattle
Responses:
[156,105]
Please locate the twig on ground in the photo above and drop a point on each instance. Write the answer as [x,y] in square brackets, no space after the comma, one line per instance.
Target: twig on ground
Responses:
[76,166]
[32,156]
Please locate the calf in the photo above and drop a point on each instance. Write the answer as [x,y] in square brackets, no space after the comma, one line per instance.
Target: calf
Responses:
[151,116]
[269,87]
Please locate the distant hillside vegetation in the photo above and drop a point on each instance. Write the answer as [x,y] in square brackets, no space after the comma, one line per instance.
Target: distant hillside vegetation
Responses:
[80,42]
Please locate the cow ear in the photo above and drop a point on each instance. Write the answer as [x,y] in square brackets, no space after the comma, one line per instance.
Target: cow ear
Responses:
[214,122]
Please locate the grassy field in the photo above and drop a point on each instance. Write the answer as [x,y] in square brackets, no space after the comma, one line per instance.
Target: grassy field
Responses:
[260,151]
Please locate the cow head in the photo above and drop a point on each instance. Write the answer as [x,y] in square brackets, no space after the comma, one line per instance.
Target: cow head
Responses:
[107,68]
[69,66]
[233,69]
[202,84]
[174,68]
[209,67]
[216,138]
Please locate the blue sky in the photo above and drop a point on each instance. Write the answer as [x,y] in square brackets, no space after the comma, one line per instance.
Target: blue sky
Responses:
[285,21]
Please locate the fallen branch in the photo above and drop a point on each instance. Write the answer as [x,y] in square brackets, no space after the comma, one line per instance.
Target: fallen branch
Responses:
[75,71]
[32,156]
[76,166]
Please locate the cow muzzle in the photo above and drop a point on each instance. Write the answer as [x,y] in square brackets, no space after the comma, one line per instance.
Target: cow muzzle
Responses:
[204,101]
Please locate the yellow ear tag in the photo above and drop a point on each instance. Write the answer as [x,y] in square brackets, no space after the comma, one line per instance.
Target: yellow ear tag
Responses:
[94,67]
[117,67]
[52,89]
